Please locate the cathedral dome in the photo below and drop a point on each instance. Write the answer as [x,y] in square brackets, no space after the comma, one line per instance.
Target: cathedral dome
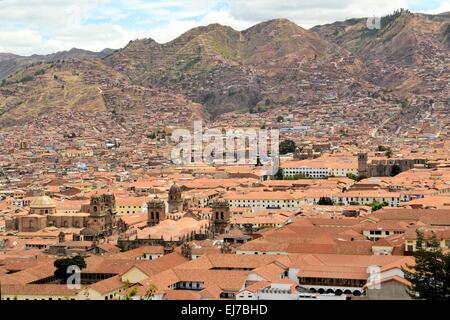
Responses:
[175,193]
[156,202]
[175,189]
[42,202]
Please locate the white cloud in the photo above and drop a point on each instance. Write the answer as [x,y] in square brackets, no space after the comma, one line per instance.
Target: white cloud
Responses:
[443,7]
[308,13]
[45,26]
[45,14]
[95,37]
[22,40]
[176,27]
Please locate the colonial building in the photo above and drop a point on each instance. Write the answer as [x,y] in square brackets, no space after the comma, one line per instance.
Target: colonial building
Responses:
[175,199]
[168,228]
[101,221]
[156,211]
[383,167]
[221,216]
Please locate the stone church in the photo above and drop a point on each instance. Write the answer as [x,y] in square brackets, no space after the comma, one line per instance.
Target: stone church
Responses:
[384,167]
[176,208]
[99,221]
[221,215]
[179,208]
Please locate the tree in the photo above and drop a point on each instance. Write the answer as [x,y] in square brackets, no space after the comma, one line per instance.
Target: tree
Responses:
[362,176]
[280,119]
[131,292]
[297,176]
[356,177]
[62,265]
[27,78]
[395,170]
[151,292]
[405,104]
[377,206]
[287,146]
[279,175]
[39,72]
[430,276]
[386,150]
[389,153]
[324,201]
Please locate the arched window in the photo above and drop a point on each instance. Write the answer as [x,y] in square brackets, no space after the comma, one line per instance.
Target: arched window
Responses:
[157,216]
[217,216]
[152,216]
[222,216]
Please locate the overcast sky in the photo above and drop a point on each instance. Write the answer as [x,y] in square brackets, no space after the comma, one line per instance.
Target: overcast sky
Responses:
[47,26]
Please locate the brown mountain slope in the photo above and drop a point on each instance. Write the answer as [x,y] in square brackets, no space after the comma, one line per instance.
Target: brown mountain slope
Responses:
[87,85]
[223,68]
[275,63]
[405,42]
[278,42]
[396,42]
[10,63]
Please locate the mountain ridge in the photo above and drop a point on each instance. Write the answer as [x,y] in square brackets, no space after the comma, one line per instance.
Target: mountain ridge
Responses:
[10,63]
[219,69]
